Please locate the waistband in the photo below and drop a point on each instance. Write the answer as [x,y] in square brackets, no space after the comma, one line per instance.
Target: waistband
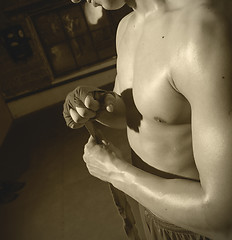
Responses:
[139,163]
[160,223]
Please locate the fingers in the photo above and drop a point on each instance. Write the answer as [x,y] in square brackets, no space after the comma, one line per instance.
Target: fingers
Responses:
[81,116]
[89,147]
[85,113]
[105,144]
[80,106]
[67,117]
[70,122]
[82,92]
[84,103]
[78,117]
[91,103]
[88,108]
[91,142]
[75,117]
[87,102]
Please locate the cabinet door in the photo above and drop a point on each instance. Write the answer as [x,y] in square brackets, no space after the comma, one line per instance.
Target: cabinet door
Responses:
[5,120]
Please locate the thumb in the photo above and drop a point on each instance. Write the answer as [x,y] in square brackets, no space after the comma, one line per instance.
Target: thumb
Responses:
[110,102]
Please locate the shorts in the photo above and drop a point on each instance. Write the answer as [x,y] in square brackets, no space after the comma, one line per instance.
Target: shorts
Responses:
[140,223]
[157,229]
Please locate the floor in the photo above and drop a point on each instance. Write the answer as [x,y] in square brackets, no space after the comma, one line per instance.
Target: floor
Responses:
[60,200]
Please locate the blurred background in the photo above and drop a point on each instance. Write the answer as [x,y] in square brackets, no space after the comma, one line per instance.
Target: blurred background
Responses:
[47,48]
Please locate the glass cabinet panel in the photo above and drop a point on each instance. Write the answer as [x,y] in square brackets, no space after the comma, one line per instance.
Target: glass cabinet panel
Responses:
[77,35]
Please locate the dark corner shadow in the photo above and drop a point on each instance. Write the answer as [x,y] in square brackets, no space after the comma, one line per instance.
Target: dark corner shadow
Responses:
[133,116]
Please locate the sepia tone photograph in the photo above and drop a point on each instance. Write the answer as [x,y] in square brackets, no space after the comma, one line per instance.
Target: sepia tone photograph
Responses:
[115,120]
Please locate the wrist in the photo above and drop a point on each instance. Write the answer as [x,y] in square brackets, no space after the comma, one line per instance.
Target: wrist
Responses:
[120,177]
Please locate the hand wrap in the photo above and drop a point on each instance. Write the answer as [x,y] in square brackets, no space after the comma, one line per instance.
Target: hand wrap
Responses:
[77,97]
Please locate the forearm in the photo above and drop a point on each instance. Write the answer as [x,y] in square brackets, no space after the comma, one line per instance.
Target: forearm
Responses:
[178,201]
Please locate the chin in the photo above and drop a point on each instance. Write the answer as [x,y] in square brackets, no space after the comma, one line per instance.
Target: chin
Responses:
[113,5]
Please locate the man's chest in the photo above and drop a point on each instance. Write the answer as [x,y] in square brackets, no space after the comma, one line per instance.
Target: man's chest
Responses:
[145,66]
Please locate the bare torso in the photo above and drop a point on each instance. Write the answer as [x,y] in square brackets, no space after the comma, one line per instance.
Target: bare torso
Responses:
[159,117]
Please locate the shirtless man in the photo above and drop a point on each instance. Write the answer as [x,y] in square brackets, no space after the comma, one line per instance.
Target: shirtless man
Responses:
[174,97]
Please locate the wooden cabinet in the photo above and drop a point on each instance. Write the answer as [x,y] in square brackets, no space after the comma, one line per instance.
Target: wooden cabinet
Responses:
[72,40]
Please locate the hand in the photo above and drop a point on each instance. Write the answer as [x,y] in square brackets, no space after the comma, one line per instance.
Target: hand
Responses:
[85,103]
[103,161]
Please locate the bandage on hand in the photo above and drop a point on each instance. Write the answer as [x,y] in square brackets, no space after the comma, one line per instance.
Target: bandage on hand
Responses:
[85,103]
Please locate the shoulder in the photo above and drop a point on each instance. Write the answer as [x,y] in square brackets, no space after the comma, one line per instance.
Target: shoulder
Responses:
[122,27]
[210,35]
[208,23]
[124,21]
[203,29]
[206,54]
[207,30]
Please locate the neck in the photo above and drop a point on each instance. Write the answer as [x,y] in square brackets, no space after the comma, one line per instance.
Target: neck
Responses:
[145,7]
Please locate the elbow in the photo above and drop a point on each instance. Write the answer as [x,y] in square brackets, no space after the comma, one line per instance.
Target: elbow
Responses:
[218,219]
[220,234]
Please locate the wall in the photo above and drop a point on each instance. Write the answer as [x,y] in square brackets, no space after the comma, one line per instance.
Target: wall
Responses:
[35,102]
[5,120]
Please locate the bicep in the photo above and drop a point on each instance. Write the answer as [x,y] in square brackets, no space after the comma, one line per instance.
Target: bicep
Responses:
[207,84]
[212,141]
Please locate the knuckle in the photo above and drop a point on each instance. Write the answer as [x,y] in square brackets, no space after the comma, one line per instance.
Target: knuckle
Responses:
[83,91]
[65,114]
[82,112]
[91,103]
[71,124]
[85,113]
[82,120]
[85,149]
[84,158]
[74,115]
[79,103]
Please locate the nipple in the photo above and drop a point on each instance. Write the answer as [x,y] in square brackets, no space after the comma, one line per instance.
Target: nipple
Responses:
[157,119]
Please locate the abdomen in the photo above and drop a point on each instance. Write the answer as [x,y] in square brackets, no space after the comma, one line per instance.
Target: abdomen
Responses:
[167,148]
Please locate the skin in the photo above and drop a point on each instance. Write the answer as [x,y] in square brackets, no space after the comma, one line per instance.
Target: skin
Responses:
[178,57]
